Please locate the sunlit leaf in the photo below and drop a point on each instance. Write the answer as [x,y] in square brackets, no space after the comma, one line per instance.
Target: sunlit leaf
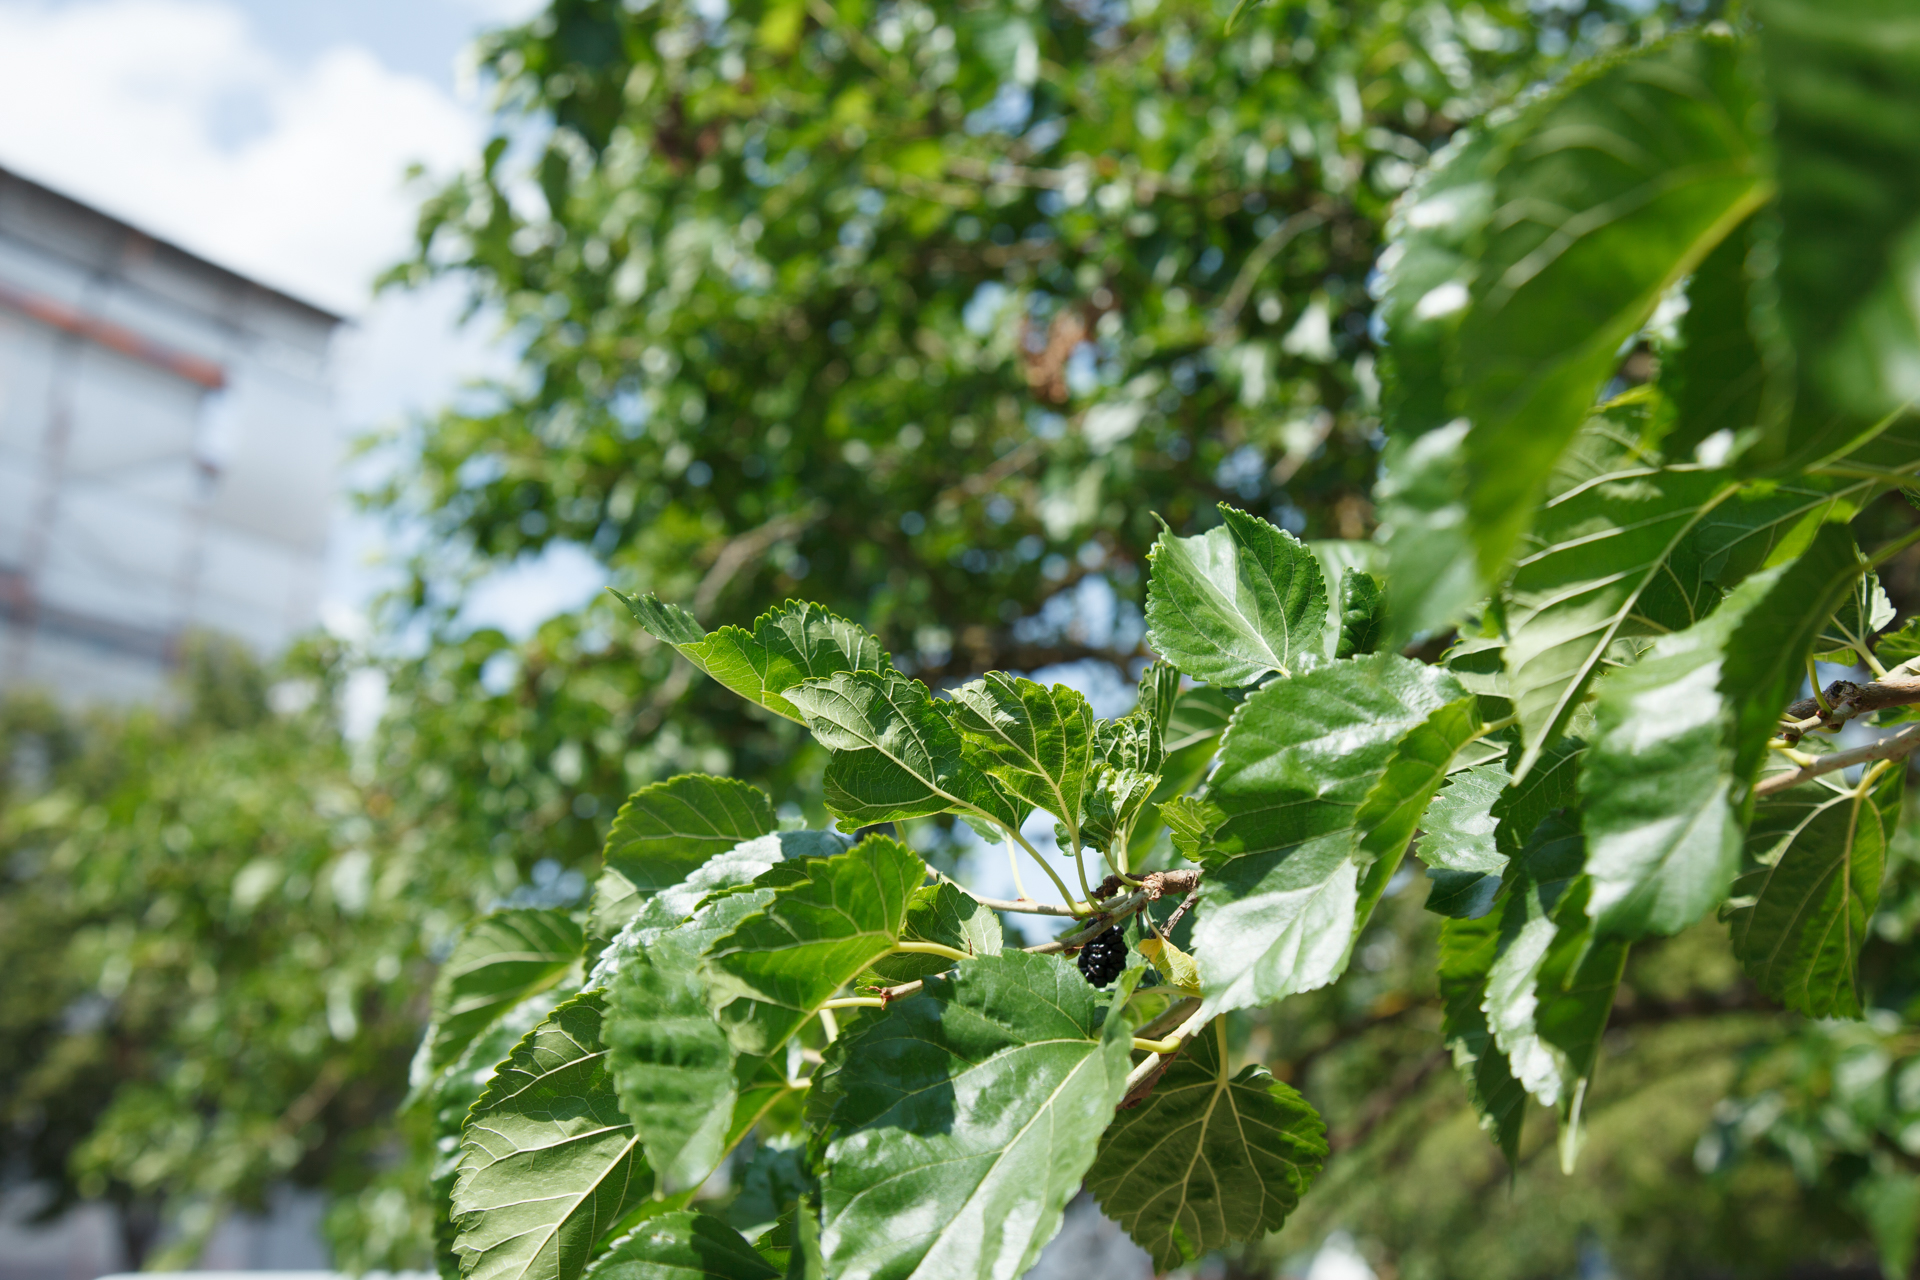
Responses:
[1624,180]
[1425,278]
[794,642]
[1237,602]
[682,1246]
[1392,810]
[1679,733]
[775,969]
[1457,842]
[671,1061]
[667,830]
[1468,948]
[1635,553]
[1550,986]
[967,1119]
[1279,900]
[1036,741]
[895,754]
[944,914]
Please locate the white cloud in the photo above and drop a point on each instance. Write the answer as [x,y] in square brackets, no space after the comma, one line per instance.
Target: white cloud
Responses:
[173,115]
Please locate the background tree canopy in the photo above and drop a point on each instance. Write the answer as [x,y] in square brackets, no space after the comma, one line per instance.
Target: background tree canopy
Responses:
[931,314]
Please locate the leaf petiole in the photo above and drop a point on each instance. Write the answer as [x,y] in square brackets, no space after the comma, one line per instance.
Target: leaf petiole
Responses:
[1158,1046]
[925,949]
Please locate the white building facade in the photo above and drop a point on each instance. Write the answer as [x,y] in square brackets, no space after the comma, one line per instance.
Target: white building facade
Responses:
[167,452]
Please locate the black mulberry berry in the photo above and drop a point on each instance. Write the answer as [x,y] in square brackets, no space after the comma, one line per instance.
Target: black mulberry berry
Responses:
[1102,959]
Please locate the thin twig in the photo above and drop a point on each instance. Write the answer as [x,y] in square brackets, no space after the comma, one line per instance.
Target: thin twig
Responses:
[1892,747]
[743,547]
[1263,254]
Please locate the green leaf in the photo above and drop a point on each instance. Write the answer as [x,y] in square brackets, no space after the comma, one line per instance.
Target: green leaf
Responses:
[941,913]
[667,830]
[895,754]
[967,1119]
[1457,843]
[1552,785]
[1433,577]
[1279,901]
[682,1246]
[1199,715]
[764,861]
[1468,948]
[1550,986]
[1722,378]
[1192,822]
[796,641]
[499,961]
[1425,276]
[1848,635]
[1209,1159]
[1889,1200]
[1845,80]
[1680,734]
[1819,854]
[1362,614]
[775,969]
[1635,553]
[1624,180]
[1128,755]
[549,1163]
[1900,646]
[450,1098]
[1237,602]
[1036,741]
[1392,810]
[674,1068]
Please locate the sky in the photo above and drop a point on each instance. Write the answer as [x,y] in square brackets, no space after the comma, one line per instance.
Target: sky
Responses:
[273,137]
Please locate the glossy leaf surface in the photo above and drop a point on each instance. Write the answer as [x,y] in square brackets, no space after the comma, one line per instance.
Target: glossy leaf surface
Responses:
[795,642]
[682,1246]
[1237,602]
[1678,732]
[666,831]
[966,1120]
[895,754]
[1278,904]
[775,969]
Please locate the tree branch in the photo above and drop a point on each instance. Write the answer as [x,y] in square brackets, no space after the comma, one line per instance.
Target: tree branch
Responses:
[1894,747]
[1898,688]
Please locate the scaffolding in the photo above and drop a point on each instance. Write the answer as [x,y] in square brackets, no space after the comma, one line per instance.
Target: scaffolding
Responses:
[167,452]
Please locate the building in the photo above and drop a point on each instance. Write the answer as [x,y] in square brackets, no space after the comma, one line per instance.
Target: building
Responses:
[167,451]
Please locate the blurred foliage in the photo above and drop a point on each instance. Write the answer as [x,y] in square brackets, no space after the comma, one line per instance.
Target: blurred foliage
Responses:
[925,313]
[216,947]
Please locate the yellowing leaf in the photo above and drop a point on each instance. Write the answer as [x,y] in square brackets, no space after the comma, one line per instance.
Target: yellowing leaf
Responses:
[1175,965]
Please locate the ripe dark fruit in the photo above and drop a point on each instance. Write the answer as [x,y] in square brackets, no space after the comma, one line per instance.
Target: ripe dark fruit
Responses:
[1102,959]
